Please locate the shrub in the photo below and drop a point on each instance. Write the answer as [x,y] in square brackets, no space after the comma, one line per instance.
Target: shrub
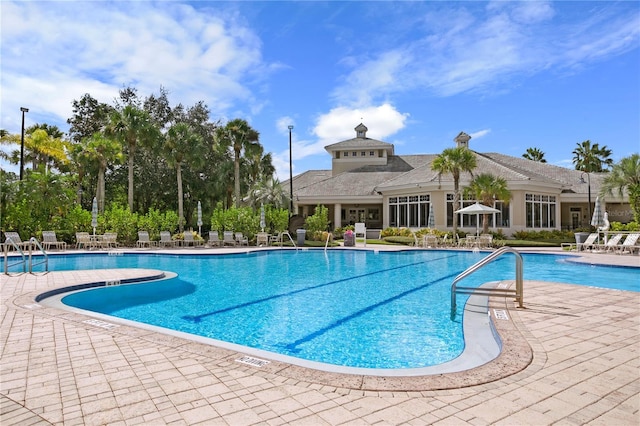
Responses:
[317,223]
[629,227]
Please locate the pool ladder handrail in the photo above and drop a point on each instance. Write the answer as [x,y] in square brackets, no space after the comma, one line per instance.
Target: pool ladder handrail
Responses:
[290,238]
[517,292]
[23,261]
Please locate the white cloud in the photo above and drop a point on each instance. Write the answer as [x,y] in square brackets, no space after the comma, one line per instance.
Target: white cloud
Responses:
[479,133]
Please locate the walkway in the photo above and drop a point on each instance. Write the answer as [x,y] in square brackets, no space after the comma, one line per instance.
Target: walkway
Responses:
[65,368]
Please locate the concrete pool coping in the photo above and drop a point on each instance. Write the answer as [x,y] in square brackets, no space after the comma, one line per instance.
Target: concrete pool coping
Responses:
[21,385]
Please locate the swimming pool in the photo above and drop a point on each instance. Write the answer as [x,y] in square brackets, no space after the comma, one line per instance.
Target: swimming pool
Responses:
[364,309]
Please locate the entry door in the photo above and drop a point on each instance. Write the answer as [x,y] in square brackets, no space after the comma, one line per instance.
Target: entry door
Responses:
[575,220]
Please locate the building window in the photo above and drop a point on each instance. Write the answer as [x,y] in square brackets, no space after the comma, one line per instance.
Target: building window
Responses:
[540,210]
[354,154]
[363,154]
[409,211]
[372,153]
[496,220]
[346,153]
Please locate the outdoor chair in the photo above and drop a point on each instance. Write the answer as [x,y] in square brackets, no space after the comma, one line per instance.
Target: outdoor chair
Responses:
[49,240]
[214,239]
[241,239]
[144,240]
[485,241]
[109,240]
[83,240]
[228,239]
[589,243]
[15,239]
[166,240]
[360,229]
[189,240]
[429,241]
[276,239]
[629,244]
[611,244]
[262,239]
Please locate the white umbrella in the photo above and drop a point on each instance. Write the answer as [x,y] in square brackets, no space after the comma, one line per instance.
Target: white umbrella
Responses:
[262,221]
[199,218]
[432,218]
[477,209]
[94,215]
[597,220]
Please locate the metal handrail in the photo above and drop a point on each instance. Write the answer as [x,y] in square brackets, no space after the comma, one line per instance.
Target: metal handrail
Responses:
[6,256]
[518,292]
[290,238]
[326,244]
[35,242]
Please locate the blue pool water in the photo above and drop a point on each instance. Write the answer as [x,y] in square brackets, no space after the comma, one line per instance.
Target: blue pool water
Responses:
[351,308]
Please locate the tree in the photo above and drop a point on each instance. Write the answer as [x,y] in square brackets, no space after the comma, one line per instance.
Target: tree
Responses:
[454,161]
[131,125]
[102,151]
[625,175]
[534,154]
[591,158]
[45,150]
[487,188]
[238,136]
[89,116]
[181,144]
[269,192]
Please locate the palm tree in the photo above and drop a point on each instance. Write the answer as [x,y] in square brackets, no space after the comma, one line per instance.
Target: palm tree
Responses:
[625,176]
[591,158]
[454,161]
[269,192]
[534,154]
[180,145]
[132,125]
[45,150]
[487,188]
[103,151]
[238,136]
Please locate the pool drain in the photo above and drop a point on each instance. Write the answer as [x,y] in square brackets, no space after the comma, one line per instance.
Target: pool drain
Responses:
[256,362]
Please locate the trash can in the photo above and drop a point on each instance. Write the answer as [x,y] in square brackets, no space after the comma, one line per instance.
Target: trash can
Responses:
[301,233]
[581,237]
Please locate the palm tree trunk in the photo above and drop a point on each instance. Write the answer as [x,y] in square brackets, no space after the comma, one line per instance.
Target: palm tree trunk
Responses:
[456,205]
[100,190]
[236,176]
[180,197]
[130,193]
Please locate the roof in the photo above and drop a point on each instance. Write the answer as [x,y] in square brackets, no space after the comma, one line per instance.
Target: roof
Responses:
[359,143]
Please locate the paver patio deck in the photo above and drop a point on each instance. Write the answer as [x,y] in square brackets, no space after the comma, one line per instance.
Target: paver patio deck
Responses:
[58,369]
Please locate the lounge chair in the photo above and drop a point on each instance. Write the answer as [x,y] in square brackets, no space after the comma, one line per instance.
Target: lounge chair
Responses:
[214,239]
[166,240]
[611,244]
[589,243]
[430,241]
[241,239]
[629,244]
[11,238]
[189,240]
[276,239]
[228,239]
[49,241]
[83,240]
[144,240]
[109,240]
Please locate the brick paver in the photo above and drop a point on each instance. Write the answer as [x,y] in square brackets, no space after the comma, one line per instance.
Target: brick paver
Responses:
[57,369]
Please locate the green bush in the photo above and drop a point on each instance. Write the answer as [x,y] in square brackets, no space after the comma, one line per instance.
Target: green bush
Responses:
[317,223]
[628,227]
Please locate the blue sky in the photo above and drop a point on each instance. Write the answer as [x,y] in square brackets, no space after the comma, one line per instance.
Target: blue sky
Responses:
[513,75]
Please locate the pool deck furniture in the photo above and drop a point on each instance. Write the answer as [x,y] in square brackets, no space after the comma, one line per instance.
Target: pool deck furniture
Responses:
[241,240]
[166,240]
[262,239]
[83,240]
[50,241]
[228,239]
[214,239]
[589,243]
[610,245]
[629,245]
[190,240]
[13,238]
[144,241]
[582,368]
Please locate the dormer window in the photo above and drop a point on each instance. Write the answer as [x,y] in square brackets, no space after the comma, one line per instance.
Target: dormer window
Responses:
[361,131]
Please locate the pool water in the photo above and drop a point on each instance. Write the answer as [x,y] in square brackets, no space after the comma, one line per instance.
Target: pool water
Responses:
[387,310]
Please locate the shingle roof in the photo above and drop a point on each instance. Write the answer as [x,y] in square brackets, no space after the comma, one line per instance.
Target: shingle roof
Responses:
[359,143]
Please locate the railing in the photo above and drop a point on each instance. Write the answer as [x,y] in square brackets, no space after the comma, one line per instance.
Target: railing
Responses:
[36,243]
[504,292]
[10,242]
[326,244]
[290,238]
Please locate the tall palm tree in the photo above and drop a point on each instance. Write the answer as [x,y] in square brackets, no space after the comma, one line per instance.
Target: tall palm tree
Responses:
[625,175]
[454,161]
[591,158]
[487,188]
[269,192]
[132,125]
[103,151]
[238,136]
[182,144]
[534,154]
[45,150]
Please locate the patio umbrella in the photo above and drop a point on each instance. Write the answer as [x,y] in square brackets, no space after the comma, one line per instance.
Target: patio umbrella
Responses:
[477,209]
[94,215]
[199,218]
[262,222]
[432,218]
[597,220]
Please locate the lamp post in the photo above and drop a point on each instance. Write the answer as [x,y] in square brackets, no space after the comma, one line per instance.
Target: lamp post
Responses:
[588,182]
[23,109]
[290,175]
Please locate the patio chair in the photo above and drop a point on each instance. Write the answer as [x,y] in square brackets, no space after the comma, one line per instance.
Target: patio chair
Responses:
[228,239]
[144,240]
[485,241]
[49,240]
[629,244]
[214,239]
[589,243]
[241,239]
[83,240]
[15,239]
[611,244]
[275,239]
[360,229]
[262,239]
[166,240]
[189,240]
[430,241]
[109,240]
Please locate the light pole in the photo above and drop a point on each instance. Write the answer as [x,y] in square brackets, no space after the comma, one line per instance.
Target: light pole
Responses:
[23,109]
[290,174]
[588,182]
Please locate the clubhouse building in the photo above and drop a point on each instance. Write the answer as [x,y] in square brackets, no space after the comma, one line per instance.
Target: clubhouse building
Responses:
[369,183]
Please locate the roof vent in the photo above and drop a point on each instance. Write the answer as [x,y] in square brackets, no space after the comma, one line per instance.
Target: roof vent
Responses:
[361,131]
[462,140]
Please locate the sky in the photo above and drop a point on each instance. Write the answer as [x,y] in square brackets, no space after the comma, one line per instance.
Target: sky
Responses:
[513,75]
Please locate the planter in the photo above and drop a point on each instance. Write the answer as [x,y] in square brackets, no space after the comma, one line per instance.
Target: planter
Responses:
[350,240]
